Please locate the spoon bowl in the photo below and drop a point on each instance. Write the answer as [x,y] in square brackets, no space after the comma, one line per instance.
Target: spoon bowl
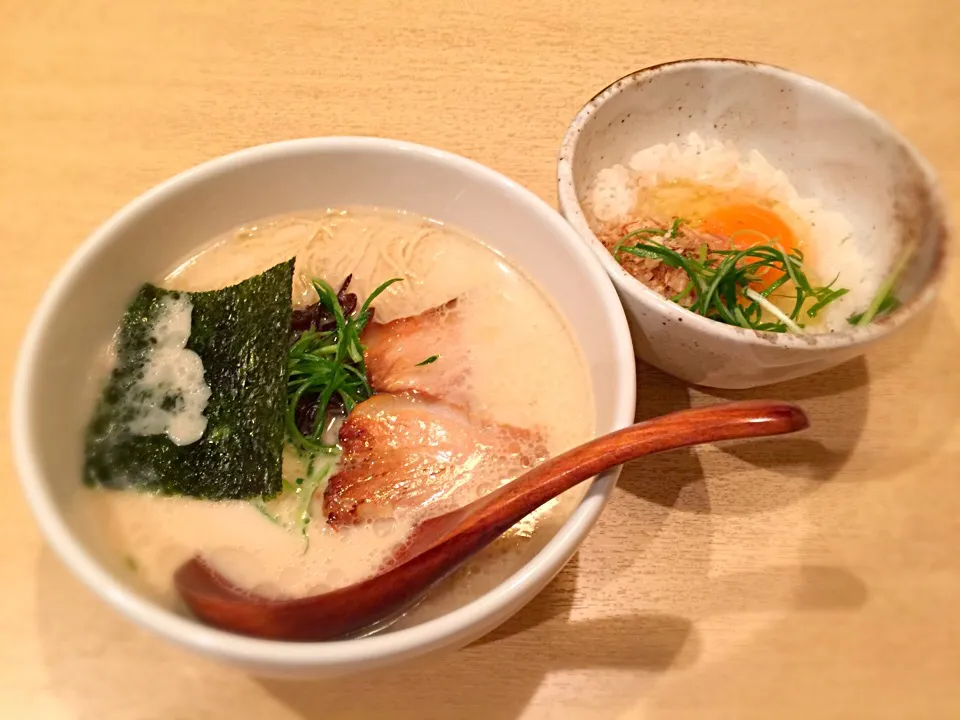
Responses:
[440,544]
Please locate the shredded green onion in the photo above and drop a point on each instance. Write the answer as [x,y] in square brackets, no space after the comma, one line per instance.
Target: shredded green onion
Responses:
[884,302]
[329,364]
[291,508]
[719,280]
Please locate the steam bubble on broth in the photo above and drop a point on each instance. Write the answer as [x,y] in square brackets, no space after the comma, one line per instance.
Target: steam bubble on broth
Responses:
[526,371]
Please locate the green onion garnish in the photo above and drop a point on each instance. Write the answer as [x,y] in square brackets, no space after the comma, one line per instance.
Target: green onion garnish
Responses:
[720,280]
[329,364]
[884,301]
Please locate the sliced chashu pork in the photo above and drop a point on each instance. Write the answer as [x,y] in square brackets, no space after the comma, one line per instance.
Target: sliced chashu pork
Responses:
[395,352]
[410,452]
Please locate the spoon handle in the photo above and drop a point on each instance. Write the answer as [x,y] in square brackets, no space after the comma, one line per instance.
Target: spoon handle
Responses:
[494,513]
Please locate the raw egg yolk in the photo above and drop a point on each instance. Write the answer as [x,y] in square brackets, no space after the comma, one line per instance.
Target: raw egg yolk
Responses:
[763,227]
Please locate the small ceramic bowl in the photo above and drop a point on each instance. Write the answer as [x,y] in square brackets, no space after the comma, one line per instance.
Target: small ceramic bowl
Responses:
[831,148]
[80,311]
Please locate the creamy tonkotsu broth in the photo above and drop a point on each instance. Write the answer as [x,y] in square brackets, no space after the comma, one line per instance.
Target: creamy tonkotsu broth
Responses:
[526,370]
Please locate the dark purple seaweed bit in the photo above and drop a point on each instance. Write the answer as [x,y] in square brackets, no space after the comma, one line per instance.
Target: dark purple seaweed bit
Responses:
[317,317]
[306,413]
[303,318]
[348,301]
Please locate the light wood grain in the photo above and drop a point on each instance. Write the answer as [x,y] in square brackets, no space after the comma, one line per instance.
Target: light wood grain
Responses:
[815,577]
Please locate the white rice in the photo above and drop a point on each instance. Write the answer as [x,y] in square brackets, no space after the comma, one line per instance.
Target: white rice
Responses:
[612,196]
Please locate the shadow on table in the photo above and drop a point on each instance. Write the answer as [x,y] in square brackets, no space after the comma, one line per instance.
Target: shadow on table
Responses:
[503,670]
[100,665]
[824,663]
[792,466]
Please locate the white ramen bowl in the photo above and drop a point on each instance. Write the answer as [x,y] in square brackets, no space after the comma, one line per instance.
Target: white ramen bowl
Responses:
[82,307]
[831,148]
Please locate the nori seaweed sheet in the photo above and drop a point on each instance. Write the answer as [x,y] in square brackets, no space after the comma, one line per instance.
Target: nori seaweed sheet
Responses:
[241,334]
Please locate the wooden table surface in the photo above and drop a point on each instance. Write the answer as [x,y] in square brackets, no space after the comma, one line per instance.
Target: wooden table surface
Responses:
[813,577]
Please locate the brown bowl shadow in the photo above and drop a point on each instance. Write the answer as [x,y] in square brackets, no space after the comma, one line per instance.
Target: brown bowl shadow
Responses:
[788,467]
[502,672]
[83,641]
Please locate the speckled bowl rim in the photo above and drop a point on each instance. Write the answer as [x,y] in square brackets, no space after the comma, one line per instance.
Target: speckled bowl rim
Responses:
[571,208]
[340,656]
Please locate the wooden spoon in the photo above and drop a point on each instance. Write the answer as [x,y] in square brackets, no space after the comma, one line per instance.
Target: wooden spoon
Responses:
[440,544]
